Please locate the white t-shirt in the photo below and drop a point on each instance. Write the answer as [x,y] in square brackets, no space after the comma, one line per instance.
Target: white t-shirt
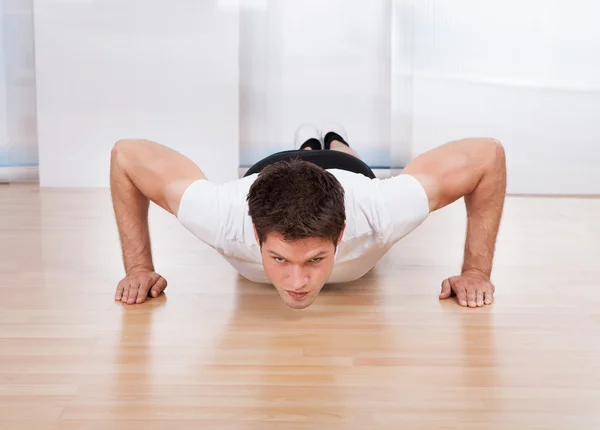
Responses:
[379,212]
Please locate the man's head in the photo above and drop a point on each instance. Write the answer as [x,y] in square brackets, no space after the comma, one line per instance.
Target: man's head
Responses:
[299,217]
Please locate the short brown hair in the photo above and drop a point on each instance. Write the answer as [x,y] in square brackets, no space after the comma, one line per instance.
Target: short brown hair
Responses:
[298,200]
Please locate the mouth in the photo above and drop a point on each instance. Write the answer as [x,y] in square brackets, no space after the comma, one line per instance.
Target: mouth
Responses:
[296,296]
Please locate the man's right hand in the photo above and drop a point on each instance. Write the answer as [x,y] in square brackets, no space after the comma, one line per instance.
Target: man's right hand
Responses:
[138,285]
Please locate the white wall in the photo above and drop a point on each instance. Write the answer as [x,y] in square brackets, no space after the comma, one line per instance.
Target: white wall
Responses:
[527,73]
[315,61]
[18,127]
[3,134]
[116,69]
[402,75]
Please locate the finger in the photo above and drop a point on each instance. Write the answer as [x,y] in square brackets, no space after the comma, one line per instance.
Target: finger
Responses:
[446,289]
[480,297]
[119,292]
[143,290]
[472,297]
[461,295]
[159,287]
[126,286]
[488,296]
[133,289]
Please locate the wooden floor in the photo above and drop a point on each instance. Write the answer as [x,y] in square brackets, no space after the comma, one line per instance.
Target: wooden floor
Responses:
[218,352]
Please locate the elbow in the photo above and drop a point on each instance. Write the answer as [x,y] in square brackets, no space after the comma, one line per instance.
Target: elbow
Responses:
[119,151]
[498,153]
[122,146]
[492,150]
[496,162]
[123,151]
[497,146]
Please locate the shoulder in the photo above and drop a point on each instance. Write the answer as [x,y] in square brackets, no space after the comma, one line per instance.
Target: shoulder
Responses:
[216,212]
[204,192]
[406,203]
[347,176]
[390,208]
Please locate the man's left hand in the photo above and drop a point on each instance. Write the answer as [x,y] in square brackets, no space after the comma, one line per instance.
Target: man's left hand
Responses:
[472,288]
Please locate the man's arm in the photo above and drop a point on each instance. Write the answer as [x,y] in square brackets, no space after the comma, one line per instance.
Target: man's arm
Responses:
[476,170]
[142,171]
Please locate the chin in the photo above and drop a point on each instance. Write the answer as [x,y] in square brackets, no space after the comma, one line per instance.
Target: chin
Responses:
[298,304]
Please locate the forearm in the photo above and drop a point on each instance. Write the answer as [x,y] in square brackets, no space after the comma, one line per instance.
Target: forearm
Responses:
[485,205]
[131,213]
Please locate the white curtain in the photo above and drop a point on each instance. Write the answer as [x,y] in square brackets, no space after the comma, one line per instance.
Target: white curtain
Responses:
[525,72]
[4,177]
[403,76]
[315,62]
[18,124]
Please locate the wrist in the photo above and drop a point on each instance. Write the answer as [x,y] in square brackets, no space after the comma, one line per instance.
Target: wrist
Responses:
[477,262]
[476,271]
[140,268]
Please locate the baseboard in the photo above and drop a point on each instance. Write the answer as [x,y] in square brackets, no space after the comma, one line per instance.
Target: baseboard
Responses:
[19,174]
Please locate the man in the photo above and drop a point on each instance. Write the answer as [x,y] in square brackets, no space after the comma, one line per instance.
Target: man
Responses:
[299,219]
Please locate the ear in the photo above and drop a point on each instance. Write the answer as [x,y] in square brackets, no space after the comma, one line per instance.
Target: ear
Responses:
[341,234]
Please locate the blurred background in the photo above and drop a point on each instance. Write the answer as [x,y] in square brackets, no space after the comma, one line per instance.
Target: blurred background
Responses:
[227,82]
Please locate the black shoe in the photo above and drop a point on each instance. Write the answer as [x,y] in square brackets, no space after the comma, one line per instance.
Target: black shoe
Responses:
[307,136]
[333,132]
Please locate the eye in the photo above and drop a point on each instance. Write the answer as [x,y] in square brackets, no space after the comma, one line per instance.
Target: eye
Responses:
[279,260]
[316,260]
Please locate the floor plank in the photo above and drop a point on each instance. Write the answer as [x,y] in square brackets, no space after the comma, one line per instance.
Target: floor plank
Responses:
[219,352]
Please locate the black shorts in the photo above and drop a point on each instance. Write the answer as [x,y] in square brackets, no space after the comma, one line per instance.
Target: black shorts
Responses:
[326,159]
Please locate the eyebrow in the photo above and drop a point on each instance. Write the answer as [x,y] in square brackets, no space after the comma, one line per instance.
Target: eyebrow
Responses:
[320,254]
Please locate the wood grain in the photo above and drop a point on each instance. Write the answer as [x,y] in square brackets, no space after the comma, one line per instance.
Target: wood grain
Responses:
[219,352]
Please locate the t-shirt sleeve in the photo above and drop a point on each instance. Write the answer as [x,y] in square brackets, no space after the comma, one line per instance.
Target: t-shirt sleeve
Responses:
[407,205]
[212,212]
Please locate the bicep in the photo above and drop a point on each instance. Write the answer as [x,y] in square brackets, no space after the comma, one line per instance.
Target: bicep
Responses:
[451,171]
[159,173]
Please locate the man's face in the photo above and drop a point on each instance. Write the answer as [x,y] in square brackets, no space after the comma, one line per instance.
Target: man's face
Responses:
[298,269]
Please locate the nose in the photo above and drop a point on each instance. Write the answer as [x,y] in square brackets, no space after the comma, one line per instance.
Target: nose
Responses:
[298,279]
